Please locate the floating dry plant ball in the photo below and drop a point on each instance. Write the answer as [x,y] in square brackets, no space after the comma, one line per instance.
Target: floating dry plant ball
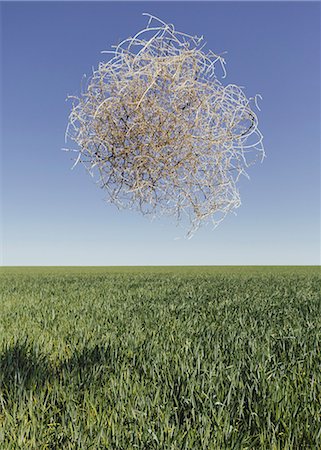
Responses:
[162,134]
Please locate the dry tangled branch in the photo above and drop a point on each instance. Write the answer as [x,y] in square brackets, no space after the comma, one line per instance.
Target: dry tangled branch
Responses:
[161,132]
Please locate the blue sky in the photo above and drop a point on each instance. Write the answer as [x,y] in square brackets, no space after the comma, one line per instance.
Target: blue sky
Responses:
[54,216]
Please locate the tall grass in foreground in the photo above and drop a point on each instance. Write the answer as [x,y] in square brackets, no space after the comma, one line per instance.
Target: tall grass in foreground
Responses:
[160,358]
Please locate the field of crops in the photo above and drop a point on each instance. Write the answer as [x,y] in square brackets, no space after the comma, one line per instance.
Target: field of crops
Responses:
[160,358]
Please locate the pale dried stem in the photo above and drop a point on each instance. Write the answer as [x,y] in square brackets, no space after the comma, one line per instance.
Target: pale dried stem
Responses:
[162,132]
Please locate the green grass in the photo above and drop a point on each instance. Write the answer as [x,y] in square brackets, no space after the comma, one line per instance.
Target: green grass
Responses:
[160,358]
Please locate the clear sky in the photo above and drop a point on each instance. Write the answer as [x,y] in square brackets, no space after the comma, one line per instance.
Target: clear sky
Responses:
[54,216]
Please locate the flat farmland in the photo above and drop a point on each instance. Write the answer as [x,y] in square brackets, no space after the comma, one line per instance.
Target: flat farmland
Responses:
[160,358]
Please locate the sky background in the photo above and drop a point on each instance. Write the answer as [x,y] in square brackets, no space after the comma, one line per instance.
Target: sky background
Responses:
[51,215]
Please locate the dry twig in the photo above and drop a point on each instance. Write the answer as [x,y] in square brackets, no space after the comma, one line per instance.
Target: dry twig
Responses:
[161,131]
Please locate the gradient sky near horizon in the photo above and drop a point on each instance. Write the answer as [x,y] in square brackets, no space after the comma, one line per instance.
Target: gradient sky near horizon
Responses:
[54,216]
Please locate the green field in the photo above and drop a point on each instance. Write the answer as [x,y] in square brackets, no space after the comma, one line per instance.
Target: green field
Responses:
[160,358]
